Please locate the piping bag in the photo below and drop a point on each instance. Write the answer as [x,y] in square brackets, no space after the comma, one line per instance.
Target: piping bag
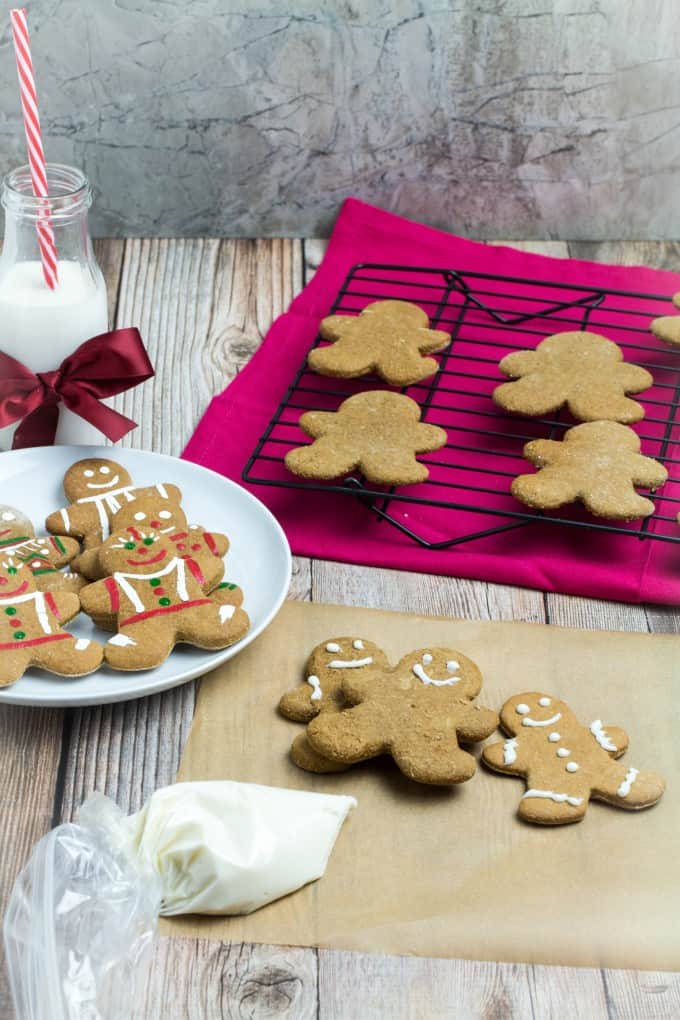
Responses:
[83,913]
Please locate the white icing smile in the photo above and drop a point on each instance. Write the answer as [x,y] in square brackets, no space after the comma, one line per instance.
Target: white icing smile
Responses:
[425,677]
[527,721]
[104,485]
[350,663]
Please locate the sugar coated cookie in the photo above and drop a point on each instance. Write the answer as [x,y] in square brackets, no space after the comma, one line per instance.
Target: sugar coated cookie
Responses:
[31,631]
[583,371]
[388,337]
[378,433]
[597,463]
[416,712]
[565,764]
[158,599]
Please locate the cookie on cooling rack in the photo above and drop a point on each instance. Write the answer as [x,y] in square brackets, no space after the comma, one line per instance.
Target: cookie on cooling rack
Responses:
[378,433]
[388,337]
[583,371]
[599,464]
[667,327]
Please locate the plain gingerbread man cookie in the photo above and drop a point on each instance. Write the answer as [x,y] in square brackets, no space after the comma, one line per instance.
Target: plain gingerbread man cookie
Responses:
[388,337]
[378,433]
[564,763]
[597,463]
[31,623]
[416,712]
[329,663]
[44,556]
[158,599]
[667,327]
[584,371]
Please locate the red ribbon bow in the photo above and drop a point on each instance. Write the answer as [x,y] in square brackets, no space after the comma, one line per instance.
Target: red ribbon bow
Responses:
[101,367]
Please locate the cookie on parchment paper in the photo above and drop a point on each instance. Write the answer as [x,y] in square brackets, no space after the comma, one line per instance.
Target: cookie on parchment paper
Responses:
[598,464]
[387,337]
[566,764]
[583,371]
[329,663]
[416,712]
[377,432]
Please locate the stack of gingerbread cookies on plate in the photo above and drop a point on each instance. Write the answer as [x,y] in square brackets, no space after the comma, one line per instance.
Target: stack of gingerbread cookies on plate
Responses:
[134,565]
[358,706]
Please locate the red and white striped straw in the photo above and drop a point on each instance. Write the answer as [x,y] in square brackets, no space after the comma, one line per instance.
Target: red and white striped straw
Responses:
[36,155]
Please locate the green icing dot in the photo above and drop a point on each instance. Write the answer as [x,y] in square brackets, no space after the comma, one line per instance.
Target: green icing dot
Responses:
[154,582]
[11,570]
[129,545]
[11,611]
[149,541]
[226,584]
[19,635]
[164,602]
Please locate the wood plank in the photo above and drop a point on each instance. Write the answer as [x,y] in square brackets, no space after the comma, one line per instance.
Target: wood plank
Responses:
[633,994]
[655,254]
[405,988]
[196,979]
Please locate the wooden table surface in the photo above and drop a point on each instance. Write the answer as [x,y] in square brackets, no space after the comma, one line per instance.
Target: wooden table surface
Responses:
[203,307]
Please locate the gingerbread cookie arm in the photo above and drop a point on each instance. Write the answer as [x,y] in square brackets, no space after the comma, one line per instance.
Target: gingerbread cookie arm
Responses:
[627,787]
[321,459]
[432,340]
[476,723]
[58,550]
[647,472]
[611,739]
[347,360]
[517,364]
[304,702]
[427,438]
[629,505]
[633,378]
[610,405]
[348,736]
[95,599]
[66,605]
[317,423]
[506,756]
[334,325]
[541,452]
[78,519]
[545,490]
[667,328]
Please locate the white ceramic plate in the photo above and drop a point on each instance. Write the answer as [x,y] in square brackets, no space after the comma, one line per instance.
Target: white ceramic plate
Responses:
[259,560]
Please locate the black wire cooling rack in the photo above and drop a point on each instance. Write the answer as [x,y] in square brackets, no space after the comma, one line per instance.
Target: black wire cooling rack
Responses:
[467,495]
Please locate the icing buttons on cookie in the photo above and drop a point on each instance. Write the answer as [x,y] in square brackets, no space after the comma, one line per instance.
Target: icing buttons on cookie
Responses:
[522,709]
[562,752]
[571,766]
[553,737]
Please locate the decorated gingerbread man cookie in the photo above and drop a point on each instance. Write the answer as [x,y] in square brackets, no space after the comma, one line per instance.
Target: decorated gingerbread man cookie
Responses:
[388,337]
[329,663]
[157,512]
[158,599]
[96,489]
[566,764]
[584,371]
[378,433]
[416,712]
[31,624]
[44,556]
[599,464]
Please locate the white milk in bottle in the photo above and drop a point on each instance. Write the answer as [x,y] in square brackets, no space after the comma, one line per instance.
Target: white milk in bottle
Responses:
[39,326]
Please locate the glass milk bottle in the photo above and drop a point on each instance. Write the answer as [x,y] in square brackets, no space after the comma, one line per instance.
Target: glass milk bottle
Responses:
[39,326]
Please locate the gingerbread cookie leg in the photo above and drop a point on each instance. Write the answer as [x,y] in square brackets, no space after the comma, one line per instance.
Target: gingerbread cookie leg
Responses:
[348,736]
[433,759]
[305,757]
[70,657]
[552,804]
[141,645]
[212,625]
[627,787]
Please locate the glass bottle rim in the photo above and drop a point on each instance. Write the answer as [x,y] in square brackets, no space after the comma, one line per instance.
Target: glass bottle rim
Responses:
[69,193]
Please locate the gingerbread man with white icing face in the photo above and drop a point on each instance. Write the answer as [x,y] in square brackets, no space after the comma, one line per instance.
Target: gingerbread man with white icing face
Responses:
[158,599]
[31,628]
[44,556]
[325,669]
[416,712]
[565,763]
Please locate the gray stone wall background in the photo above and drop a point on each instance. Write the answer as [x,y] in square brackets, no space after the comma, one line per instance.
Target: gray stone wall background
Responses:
[510,118]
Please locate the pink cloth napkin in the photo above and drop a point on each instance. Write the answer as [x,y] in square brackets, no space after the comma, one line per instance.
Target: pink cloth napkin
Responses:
[337,526]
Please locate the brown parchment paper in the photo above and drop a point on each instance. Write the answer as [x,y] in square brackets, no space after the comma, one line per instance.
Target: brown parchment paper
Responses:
[453,873]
